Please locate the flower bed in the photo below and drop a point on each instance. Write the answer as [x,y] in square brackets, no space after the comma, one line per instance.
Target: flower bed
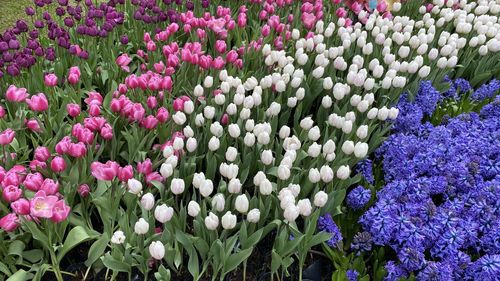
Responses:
[166,139]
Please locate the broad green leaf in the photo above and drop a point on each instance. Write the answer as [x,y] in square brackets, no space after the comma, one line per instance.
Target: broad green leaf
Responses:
[235,260]
[115,264]
[97,249]
[75,237]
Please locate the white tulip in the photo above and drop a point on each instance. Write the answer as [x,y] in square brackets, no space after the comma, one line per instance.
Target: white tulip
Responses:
[267,157]
[343,172]
[193,208]
[206,188]
[314,175]
[253,216]
[234,186]
[163,213]
[361,149]
[191,144]
[207,83]
[228,220]
[141,226]
[177,186]
[157,250]
[218,202]
[213,143]
[305,208]
[283,172]
[134,186]
[118,237]
[148,201]
[265,187]
[291,213]
[326,174]
[211,221]
[320,199]
[241,203]
[362,131]
[348,147]
[166,170]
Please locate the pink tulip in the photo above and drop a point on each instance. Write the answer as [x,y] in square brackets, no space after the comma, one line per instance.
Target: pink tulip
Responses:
[341,12]
[162,115]
[49,187]
[33,125]
[11,193]
[123,61]
[84,190]
[9,222]
[33,182]
[60,211]
[94,110]
[7,136]
[125,173]
[50,80]
[74,75]
[58,164]
[38,102]
[151,46]
[381,6]
[224,119]
[178,104]
[42,153]
[62,146]
[106,132]
[15,94]
[106,171]
[220,46]
[154,176]
[2,112]
[35,164]
[73,109]
[21,206]
[77,150]
[145,167]
[150,122]
[42,206]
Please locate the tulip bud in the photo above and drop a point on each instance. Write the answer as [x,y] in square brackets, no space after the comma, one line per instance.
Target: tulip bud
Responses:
[320,199]
[228,220]
[163,213]
[241,203]
[314,175]
[348,147]
[177,186]
[343,172]
[326,174]
[148,201]
[118,237]
[193,208]
[218,202]
[211,221]
[213,143]
[361,149]
[305,207]
[157,250]
[362,131]
[134,186]
[253,216]
[265,187]
[141,226]
[206,188]
[191,144]
[291,213]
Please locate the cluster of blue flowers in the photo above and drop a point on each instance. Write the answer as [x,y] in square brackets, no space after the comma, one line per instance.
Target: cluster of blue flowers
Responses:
[440,208]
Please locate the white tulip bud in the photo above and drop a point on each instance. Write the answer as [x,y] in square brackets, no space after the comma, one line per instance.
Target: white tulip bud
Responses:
[249,139]
[118,237]
[291,213]
[306,123]
[393,113]
[253,216]
[320,199]
[231,154]
[265,187]
[163,213]
[206,187]
[348,147]
[177,186]
[326,174]
[193,208]
[343,172]
[314,175]
[284,132]
[209,112]
[234,186]
[220,99]
[134,186]
[189,107]
[141,226]
[314,150]
[207,83]
[241,203]
[211,221]
[283,172]
[372,113]
[148,201]
[213,143]
[218,202]
[361,149]
[362,131]
[347,127]
[179,118]
[191,144]
[234,130]
[305,208]
[314,133]
[228,220]
[157,250]
[267,157]
[199,120]
[382,113]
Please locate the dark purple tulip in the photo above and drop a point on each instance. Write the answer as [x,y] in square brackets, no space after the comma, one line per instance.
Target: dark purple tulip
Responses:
[80,29]
[135,2]
[50,54]
[189,5]
[7,36]
[39,51]
[46,16]
[103,33]
[48,2]
[8,57]
[63,2]
[39,24]
[156,9]
[84,55]
[29,11]
[205,3]
[4,46]
[39,3]
[69,22]
[178,2]
[34,33]
[1,74]
[167,2]
[13,70]
[60,11]
[72,49]
[71,10]
[14,44]
[124,39]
